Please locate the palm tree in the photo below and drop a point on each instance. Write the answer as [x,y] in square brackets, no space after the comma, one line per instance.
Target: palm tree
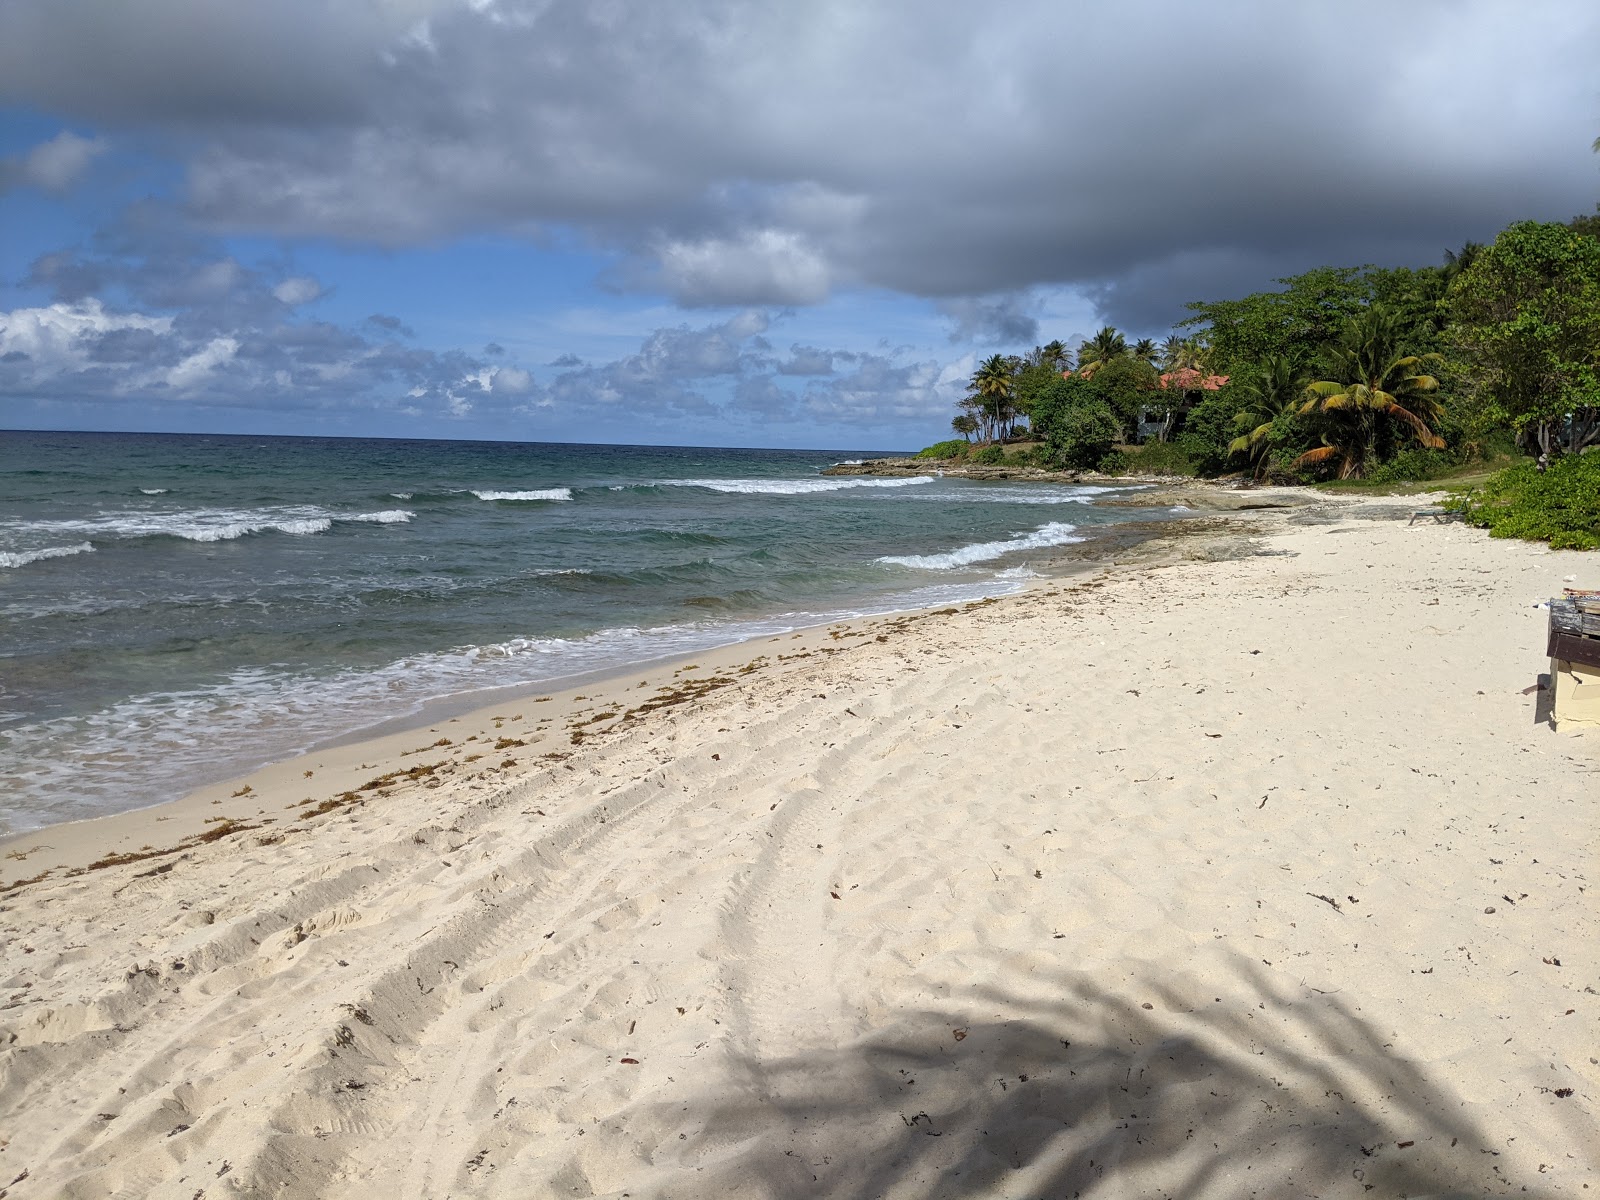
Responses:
[1171,349]
[1056,355]
[991,386]
[1274,388]
[1101,349]
[1372,379]
[1145,350]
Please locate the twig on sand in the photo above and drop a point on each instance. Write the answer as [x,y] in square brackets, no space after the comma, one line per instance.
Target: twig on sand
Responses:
[1328,900]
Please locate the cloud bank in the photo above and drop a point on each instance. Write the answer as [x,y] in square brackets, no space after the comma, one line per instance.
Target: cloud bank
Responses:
[738,153]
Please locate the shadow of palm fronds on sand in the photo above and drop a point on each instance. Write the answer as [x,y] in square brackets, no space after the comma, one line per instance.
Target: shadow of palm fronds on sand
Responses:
[1088,1093]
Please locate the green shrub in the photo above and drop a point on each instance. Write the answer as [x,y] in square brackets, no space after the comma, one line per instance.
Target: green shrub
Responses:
[954,448]
[989,455]
[1113,463]
[1415,465]
[1160,458]
[1560,506]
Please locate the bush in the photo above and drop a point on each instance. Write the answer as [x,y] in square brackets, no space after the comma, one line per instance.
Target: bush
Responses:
[989,455]
[1085,434]
[954,448]
[1208,430]
[1160,458]
[1561,506]
[1414,466]
[1114,463]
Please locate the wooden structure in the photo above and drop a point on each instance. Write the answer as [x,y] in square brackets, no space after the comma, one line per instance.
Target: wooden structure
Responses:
[1574,649]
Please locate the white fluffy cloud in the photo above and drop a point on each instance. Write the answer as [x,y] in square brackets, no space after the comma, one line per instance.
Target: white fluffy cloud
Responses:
[297,290]
[52,166]
[196,326]
[59,338]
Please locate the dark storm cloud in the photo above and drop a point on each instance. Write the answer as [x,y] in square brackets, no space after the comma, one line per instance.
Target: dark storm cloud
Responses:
[733,152]
[1002,319]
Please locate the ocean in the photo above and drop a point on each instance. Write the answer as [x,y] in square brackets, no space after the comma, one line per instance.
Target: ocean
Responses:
[178,609]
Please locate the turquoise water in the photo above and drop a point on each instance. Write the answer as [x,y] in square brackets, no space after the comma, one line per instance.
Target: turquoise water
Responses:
[176,609]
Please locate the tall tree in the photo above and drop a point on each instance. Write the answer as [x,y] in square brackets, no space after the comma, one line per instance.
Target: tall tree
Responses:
[1104,348]
[1372,380]
[992,385]
[1145,351]
[1272,390]
[1296,321]
[1526,316]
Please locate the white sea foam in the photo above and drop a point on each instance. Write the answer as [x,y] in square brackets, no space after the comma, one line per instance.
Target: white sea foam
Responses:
[402,495]
[793,487]
[1017,493]
[389,516]
[535,494]
[155,491]
[19,558]
[211,524]
[147,748]
[1056,533]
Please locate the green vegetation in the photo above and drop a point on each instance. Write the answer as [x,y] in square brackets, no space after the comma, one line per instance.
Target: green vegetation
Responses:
[1157,458]
[1079,427]
[1350,375]
[1560,506]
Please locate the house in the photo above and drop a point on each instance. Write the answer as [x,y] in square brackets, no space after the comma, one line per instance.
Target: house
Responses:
[1185,387]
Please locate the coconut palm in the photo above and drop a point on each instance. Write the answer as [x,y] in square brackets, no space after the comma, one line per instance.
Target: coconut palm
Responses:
[1371,380]
[1052,355]
[1145,350]
[991,386]
[1275,387]
[1103,348]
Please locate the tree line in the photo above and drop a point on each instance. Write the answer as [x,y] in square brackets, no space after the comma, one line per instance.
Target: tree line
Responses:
[1346,372]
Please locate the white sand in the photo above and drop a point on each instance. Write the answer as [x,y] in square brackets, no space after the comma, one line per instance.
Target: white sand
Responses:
[1025,900]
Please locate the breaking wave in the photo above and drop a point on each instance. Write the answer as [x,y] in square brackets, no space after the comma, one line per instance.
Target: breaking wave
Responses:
[792,487]
[210,524]
[1056,533]
[560,493]
[21,558]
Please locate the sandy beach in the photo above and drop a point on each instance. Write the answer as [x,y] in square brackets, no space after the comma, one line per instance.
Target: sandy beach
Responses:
[1241,869]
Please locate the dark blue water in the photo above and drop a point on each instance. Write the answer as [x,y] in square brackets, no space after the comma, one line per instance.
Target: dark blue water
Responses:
[175,609]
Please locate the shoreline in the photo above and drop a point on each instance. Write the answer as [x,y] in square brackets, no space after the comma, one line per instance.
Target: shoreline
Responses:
[1256,832]
[538,717]
[136,830]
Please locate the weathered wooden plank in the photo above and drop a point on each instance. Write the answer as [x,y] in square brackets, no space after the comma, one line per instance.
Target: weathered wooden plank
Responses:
[1573,647]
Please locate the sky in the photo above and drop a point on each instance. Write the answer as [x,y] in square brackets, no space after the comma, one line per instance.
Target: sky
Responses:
[716,222]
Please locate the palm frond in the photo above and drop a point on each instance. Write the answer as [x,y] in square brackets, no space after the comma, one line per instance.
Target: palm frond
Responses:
[1320,455]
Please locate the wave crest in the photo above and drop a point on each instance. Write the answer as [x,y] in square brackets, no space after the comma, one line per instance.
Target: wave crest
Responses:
[1056,533]
[552,494]
[389,516]
[21,558]
[211,524]
[792,487]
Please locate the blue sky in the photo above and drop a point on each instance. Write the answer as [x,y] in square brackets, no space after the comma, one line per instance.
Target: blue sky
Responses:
[713,222]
